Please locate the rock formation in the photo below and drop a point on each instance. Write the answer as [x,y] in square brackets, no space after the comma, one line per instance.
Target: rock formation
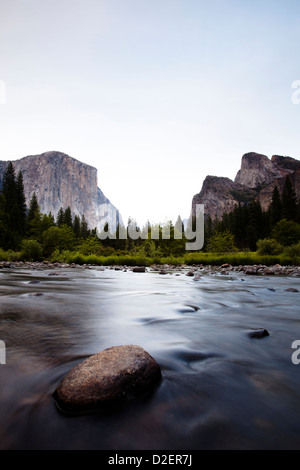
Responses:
[256,179]
[62,181]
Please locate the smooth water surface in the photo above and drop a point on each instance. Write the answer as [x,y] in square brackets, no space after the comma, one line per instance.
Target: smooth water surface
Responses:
[221,389]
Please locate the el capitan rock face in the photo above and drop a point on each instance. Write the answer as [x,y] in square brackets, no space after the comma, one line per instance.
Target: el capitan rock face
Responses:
[62,181]
[257,178]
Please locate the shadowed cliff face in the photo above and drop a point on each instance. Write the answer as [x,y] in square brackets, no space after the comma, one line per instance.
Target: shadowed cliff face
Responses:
[62,181]
[256,179]
[257,170]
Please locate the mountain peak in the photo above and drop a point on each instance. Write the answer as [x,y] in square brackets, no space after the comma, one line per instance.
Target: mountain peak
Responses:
[59,180]
[256,170]
[256,179]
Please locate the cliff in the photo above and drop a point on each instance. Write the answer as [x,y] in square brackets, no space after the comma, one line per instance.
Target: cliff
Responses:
[256,179]
[62,181]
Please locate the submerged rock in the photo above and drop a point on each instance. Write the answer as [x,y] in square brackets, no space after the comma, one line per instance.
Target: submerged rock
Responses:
[110,377]
[291,289]
[261,333]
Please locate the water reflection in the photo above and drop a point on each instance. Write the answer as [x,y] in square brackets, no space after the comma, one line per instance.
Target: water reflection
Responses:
[220,388]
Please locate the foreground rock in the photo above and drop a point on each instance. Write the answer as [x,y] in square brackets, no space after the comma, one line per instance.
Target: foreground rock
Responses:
[108,378]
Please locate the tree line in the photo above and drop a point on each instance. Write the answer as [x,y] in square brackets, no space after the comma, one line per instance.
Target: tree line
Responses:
[41,236]
[244,227]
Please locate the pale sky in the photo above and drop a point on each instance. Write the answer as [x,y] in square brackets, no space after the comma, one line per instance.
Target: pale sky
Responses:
[156,94]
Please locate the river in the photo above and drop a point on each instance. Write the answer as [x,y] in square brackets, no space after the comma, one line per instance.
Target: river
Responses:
[221,389]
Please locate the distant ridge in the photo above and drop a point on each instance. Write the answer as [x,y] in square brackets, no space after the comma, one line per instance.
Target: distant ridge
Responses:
[257,178]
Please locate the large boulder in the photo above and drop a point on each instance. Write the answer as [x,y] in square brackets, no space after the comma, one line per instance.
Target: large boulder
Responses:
[108,378]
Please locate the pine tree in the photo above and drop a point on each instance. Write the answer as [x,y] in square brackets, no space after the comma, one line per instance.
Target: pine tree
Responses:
[76,226]
[2,221]
[21,203]
[60,218]
[289,201]
[84,231]
[256,225]
[275,207]
[68,217]
[9,190]
[34,220]
[33,208]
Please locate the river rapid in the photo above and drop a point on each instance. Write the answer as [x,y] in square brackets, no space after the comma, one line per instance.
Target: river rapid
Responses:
[221,389]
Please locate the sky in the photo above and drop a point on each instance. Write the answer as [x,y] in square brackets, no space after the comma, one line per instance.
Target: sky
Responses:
[156,94]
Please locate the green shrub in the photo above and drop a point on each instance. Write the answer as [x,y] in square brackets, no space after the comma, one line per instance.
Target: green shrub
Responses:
[269,246]
[286,232]
[293,252]
[222,243]
[31,250]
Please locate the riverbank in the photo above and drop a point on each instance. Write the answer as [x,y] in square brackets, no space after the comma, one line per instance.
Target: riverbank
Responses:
[194,271]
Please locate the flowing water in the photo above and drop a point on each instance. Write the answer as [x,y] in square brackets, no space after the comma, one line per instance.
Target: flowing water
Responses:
[221,389]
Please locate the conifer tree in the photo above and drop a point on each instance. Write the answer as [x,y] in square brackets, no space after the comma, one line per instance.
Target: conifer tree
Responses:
[68,217]
[276,207]
[34,219]
[9,190]
[76,226]
[60,217]
[2,221]
[33,208]
[21,203]
[289,201]
[84,231]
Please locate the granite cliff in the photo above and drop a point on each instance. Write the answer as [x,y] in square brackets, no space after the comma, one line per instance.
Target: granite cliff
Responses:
[256,179]
[62,181]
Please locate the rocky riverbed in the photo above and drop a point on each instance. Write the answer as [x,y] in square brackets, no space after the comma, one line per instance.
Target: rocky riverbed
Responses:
[195,271]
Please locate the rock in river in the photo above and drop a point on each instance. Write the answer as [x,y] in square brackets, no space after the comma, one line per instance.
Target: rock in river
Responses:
[110,377]
[139,269]
[261,333]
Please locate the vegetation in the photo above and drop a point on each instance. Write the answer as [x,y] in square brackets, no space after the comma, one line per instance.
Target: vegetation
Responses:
[247,235]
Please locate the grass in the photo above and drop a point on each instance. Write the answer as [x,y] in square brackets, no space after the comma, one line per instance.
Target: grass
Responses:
[208,259]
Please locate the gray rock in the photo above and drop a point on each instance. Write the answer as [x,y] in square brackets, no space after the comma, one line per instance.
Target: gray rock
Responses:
[251,271]
[111,377]
[190,273]
[268,271]
[139,269]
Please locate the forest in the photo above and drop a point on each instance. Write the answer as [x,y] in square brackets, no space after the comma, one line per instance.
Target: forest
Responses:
[247,234]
